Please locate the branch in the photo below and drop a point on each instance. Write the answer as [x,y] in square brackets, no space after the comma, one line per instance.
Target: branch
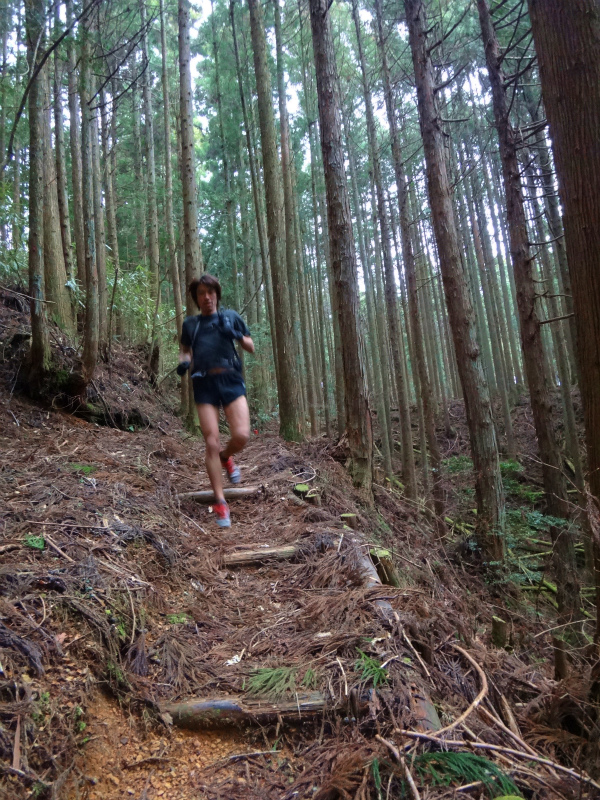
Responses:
[450,80]
[557,319]
[452,29]
[34,75]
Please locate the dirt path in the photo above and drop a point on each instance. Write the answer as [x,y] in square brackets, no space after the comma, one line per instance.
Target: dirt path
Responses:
[128,597]
[116,601]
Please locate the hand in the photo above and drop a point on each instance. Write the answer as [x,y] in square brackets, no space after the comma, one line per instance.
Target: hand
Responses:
[229,331]
[183,367]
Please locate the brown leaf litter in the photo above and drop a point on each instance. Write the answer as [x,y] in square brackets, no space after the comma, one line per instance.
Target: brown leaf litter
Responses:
[114,599]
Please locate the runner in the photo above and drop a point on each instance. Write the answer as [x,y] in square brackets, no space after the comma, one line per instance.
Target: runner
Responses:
[207,345]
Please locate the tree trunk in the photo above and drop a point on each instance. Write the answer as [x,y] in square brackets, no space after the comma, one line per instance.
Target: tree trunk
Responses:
[99,228]
[39,362]
[290,423]
[150,173]
[75,145]
[16,224]
[109,146]
[54,259]
[484,447]
[343,256]
[381,399]
[533,353]
[258,206]
[140,175]
[567,41]
[172,248]
[89,356]
[61,170]
[420,367]
[191,234]
[229,209]
[390,292]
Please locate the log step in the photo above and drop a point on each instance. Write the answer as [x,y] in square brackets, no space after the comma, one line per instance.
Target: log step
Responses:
[223,712]
[233,493]
[259,556]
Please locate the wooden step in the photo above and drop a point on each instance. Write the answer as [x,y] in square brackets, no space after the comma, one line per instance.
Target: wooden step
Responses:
[231,493]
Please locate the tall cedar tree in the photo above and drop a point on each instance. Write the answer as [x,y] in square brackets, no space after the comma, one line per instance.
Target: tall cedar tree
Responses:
[390,290]
[484,447]
[531,340]
[287,389]
[567,40]
[40,345]
[341,244]
[408,258]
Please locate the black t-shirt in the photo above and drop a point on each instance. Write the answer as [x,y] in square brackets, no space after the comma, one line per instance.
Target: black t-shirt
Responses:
[211,348]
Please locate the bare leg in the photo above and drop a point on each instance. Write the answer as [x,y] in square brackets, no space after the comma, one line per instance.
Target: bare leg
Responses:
[238,417]
[208,416]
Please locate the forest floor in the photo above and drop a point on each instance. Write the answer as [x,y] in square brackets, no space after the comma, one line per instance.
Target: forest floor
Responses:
[118,598]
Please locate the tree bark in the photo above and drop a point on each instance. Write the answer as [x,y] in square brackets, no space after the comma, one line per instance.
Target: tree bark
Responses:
[54,259]
[89,356]
[390,291]
[39,357]
[484,447]
[290,423]
[75,145]
[533,352]
[193,252]
[229,207]
[411,280]
[61,170]
[258,205]
[567,41]
[99,227]
[153,246]
[172,248]
[16,225]
[343,256]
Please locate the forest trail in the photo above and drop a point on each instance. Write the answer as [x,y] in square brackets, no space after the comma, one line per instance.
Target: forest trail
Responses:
[101,535]
[129,607]
[119,598]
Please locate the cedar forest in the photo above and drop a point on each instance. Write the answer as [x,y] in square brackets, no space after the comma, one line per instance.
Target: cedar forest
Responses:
[402,199]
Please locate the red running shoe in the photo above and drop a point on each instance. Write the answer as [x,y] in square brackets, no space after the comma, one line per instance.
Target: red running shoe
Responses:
[232,471]
[221,511]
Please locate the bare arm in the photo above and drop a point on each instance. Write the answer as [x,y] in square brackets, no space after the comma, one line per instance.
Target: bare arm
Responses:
[185,353]
[247,344]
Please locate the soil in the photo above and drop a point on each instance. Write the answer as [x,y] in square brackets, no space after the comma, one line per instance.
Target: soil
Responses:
[115,602]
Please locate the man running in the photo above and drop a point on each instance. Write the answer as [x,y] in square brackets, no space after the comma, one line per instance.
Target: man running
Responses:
[207,345]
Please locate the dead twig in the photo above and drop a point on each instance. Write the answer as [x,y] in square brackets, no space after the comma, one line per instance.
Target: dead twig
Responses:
[57,549]
[417,655]
[401,760]
[16,762]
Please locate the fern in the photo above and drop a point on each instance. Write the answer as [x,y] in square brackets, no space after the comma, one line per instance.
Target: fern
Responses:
[371,670]
[272,682]
[443,769]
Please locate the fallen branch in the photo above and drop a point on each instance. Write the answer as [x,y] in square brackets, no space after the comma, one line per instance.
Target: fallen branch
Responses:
[208,496]
[7,548]
[478,699]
